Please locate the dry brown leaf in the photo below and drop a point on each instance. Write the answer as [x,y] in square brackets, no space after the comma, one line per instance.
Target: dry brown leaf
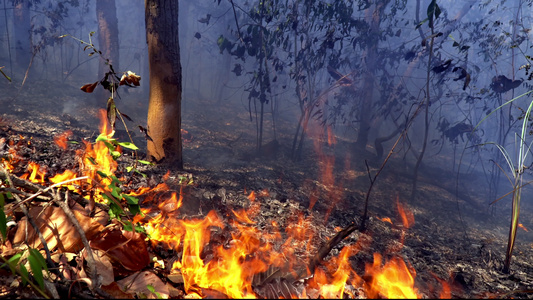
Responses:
[137,284]
[125,247]
[130,78]
[116,293]
[89,87]
[64,267]
[57,230]
[104,268]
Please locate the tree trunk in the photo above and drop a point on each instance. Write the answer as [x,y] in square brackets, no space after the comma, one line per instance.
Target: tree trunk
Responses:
[106,14]
[370,56]
[164,108]
[22,33]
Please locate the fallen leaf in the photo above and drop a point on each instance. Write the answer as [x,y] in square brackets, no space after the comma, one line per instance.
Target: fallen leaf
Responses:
[104,268]
[57,230]
[137,284]
[115,292]
[124,247]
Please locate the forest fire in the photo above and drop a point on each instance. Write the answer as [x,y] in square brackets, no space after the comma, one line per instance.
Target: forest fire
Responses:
[237,267]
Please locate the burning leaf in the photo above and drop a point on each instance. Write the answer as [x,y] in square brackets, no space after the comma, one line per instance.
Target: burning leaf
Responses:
[89,88]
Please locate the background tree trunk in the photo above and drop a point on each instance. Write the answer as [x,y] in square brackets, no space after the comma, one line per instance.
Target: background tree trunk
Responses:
[22,33]
[373,18]
[106,14]
[164,108]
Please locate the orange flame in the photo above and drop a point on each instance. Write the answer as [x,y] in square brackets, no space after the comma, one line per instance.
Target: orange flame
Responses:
[523,227]
[94,159]
[36,175]
[393,280]
[61,139]
[408,219]
[386,219]
[231,268]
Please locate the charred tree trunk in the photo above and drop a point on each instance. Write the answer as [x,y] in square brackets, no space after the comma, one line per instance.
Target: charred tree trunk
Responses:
[164,108]
[106,14]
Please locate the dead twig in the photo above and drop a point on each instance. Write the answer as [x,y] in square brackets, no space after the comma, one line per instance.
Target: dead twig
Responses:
[324,250]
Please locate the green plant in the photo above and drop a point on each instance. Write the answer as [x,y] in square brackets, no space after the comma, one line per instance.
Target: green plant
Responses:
[37,266]
[111,82]
[112,144]
[516,171]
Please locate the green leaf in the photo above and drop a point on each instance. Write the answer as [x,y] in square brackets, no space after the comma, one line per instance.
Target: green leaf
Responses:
[102,174]
[129,168]
[102,138]
[24,273]
[115,190]
[131,199]
[140,173]
[129,145]
[144,162]
[36,269]
[13,262]
[92,160]
[39,257]
[115,154]
[152,289]
[3,223]
[114,209]
[139,228]
[128,226]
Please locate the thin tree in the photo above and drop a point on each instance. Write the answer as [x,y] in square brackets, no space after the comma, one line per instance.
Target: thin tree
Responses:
[164,109]
[106,14]
[22,32]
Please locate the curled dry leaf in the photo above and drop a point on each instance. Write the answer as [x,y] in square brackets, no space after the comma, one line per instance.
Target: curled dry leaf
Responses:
[130,78]
[89,87]
[125,247]
[57,230]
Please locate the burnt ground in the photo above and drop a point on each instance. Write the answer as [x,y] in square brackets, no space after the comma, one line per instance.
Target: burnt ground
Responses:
[460,240]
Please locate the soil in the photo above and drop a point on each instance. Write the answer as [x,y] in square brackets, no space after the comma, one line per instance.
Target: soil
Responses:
[457,237]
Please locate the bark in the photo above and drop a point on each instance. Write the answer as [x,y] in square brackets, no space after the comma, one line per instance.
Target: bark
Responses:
[164,108]
[106,14]
[22,33]
[370,56]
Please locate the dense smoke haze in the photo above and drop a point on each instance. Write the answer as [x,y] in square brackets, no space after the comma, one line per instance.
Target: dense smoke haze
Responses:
[319,68]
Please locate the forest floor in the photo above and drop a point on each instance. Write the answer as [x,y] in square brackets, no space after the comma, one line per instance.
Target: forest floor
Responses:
[455,241]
